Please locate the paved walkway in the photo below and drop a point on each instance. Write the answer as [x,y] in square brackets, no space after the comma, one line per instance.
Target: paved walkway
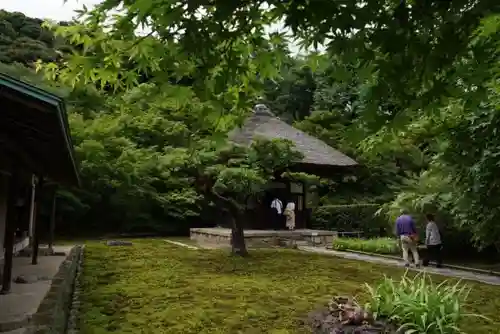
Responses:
[17,307]
[462,274]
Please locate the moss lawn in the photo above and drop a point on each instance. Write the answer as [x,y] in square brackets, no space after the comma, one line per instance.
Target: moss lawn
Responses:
[156,287]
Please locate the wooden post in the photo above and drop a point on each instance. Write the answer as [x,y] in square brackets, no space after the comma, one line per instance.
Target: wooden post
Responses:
[10,229]
[32,208]
[52,221]
[305,209]
[36,228]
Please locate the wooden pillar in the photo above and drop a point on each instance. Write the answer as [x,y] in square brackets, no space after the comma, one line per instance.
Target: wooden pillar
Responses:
[32,208]
[36,223]
[10,229]
[305,208]
[52,221]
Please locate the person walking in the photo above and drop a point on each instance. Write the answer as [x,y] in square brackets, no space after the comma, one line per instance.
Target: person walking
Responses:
[433,242]
[407,234]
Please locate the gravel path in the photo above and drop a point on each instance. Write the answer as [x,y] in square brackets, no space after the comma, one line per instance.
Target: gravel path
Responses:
[462,274]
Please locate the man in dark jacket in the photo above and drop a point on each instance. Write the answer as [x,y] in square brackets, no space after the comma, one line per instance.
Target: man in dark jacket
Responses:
[407,234]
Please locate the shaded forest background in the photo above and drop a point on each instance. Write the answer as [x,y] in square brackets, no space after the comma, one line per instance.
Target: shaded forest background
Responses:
[135,149]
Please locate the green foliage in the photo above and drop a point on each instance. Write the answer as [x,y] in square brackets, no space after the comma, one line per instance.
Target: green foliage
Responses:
[239,174]
[163,288]
[374,245]
[460,177]
[222,66]
[354,217]
[133,178]
[200,89]
[422,120]
[149,152]
[133,170]
[146,178]
[378,176]
[421,110]
[418,305]
[461,119]
[292,95]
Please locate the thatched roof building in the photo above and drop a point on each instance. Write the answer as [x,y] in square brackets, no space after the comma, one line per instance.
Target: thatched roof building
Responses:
[318,156]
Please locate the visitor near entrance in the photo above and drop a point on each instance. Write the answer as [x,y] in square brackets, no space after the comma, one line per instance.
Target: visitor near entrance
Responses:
[290,216]
[277,211]
[407,234]
[433,242]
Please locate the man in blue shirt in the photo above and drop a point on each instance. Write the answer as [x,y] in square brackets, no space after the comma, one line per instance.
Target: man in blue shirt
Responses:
[407,234]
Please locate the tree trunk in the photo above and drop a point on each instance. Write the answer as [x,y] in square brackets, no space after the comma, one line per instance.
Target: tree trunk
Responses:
[238,245]
[497,246]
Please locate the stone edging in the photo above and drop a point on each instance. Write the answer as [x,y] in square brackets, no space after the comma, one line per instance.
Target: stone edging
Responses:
[181,244]
[53,313]
[74,313]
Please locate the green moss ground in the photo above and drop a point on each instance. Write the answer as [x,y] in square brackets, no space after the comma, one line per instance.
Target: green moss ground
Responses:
[156,287]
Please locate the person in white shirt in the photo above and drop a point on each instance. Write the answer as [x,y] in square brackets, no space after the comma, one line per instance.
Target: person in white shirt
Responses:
[433,242]
[277,211]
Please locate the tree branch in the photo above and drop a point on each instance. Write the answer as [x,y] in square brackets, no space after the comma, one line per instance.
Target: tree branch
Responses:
[228,200]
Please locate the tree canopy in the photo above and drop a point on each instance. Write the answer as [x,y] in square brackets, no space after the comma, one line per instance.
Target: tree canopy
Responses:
[407,88]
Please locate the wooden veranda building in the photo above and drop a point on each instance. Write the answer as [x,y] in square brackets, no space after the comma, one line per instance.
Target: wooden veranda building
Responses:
[36,153]
[319,159]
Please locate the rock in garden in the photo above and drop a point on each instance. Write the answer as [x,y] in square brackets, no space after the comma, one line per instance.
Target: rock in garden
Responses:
[343,316]
[118,243]
[23,279]
[58,254]
[20,280]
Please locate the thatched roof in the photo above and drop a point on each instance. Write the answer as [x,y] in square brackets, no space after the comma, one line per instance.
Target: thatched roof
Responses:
[263,123]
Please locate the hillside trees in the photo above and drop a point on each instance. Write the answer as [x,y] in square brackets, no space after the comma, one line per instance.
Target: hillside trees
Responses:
[24,40]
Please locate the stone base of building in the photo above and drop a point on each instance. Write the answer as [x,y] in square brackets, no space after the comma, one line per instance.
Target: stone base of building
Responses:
[221,237]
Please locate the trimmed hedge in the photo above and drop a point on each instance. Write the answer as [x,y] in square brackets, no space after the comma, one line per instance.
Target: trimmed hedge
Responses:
[354,217]
[376,245]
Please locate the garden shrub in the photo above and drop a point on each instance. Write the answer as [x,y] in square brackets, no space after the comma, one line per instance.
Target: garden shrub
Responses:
[418,305]
[359,217]
[375,245]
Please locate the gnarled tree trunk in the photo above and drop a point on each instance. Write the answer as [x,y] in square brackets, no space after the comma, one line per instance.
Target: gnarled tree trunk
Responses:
[238,245]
